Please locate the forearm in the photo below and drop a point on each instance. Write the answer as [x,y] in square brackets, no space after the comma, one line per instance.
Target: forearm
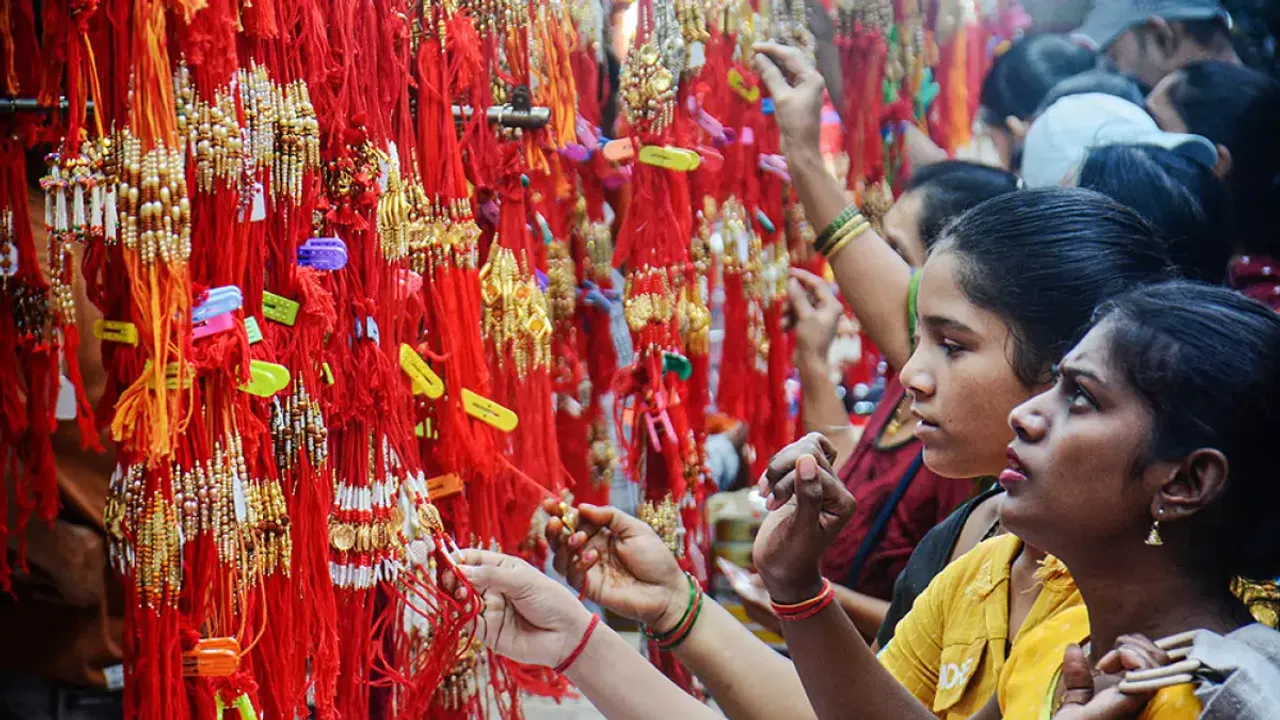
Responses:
[872,277]
[823,410]
[840,672]
[866,612]
[624,686]
[747,678]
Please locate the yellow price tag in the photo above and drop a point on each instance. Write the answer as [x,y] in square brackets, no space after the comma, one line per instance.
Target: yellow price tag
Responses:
[488,411]
[739,86]
[266,379]
[425,380]
[117,331]
[279,309]
[671,158]
[171,380]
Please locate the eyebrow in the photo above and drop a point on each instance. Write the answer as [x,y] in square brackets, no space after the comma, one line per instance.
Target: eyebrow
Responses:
[1076,372]
[939,322]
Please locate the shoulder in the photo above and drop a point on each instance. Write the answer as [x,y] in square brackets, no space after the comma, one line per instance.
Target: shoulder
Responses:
[974,575]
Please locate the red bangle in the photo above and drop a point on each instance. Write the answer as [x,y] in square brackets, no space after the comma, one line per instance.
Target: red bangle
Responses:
[582,645]
[808,608]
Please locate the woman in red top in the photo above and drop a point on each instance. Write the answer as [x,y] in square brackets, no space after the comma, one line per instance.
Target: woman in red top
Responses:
[899,499]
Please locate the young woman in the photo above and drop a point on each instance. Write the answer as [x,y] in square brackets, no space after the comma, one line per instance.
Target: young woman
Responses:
[1158,426]
[899,499]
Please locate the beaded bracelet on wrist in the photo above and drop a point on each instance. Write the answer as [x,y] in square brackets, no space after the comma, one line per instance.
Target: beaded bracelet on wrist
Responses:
[841,220]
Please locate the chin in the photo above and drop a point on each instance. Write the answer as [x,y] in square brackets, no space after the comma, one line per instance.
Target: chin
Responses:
[953,465]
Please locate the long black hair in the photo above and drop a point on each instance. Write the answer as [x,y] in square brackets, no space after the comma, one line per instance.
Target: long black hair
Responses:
[951,187]
[1211,96]
[1021,77]
[1206,361]
[1185,202]
[1255,176]
[1044,260]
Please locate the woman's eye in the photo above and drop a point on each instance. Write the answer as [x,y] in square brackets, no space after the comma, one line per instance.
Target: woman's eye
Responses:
[1079,398]
[950,348]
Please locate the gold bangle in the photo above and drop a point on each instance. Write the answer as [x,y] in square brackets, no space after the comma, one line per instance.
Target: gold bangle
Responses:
[837,232]
[840,235]
[831,253]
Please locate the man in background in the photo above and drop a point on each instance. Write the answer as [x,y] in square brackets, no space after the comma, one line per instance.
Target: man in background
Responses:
[1151,38]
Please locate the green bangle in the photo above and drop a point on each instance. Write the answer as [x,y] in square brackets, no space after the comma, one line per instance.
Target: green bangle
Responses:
[693,595]
[674,642]
[825,236]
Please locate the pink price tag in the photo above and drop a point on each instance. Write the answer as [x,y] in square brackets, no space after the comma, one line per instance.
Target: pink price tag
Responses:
[214,325]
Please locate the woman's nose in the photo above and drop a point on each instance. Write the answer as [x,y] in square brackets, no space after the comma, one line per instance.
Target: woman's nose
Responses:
[1028,423]
[916,379]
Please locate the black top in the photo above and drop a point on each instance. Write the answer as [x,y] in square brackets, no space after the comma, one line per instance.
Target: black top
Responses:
[927,560]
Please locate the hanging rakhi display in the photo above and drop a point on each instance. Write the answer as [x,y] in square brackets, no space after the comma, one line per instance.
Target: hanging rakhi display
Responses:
[653,249]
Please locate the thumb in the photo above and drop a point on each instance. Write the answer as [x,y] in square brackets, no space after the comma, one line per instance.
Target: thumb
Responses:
[799,299]
[1077,678]
[808,490]
[505,577]
[771,76]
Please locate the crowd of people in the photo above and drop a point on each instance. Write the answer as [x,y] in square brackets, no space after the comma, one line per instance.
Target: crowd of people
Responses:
[1089,321]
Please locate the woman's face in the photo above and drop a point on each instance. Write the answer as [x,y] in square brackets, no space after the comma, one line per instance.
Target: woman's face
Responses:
[960,377]
[902,228]
[1071,465]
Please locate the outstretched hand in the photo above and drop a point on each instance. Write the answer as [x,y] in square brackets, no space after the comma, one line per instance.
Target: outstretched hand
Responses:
[808,506]
[797,89]
[527,616]
[815,313]
[619,562]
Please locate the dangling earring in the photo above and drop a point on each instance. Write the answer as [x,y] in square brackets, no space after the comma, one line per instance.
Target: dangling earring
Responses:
[1153,537]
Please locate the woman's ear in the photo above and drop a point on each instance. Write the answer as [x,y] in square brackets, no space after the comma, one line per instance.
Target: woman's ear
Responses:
[1159,33]
[1223,168]
[1192,486]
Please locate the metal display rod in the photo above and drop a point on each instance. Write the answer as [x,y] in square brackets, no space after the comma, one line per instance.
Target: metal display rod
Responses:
[32,105]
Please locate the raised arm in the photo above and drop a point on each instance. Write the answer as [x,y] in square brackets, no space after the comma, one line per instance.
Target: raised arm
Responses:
[872,277]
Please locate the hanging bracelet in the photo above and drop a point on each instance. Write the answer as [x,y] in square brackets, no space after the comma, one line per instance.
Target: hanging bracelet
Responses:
[846,239]
[834,226]
[582,645]
[676,635]
[808,608]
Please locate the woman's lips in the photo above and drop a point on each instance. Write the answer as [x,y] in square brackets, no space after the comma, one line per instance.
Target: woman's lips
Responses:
[924,426]
[1015,473]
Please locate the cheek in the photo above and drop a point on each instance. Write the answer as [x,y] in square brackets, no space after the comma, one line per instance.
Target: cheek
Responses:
[975,402]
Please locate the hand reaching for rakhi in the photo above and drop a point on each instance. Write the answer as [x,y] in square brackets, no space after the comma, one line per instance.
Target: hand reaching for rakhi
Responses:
[807,506]
[620,563]
[816,314]
[797,89]
[1098,696]
[527,616]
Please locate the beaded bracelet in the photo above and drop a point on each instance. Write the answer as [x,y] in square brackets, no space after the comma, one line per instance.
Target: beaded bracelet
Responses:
[846,239]
[808,608]
[677,635]
[841,220]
